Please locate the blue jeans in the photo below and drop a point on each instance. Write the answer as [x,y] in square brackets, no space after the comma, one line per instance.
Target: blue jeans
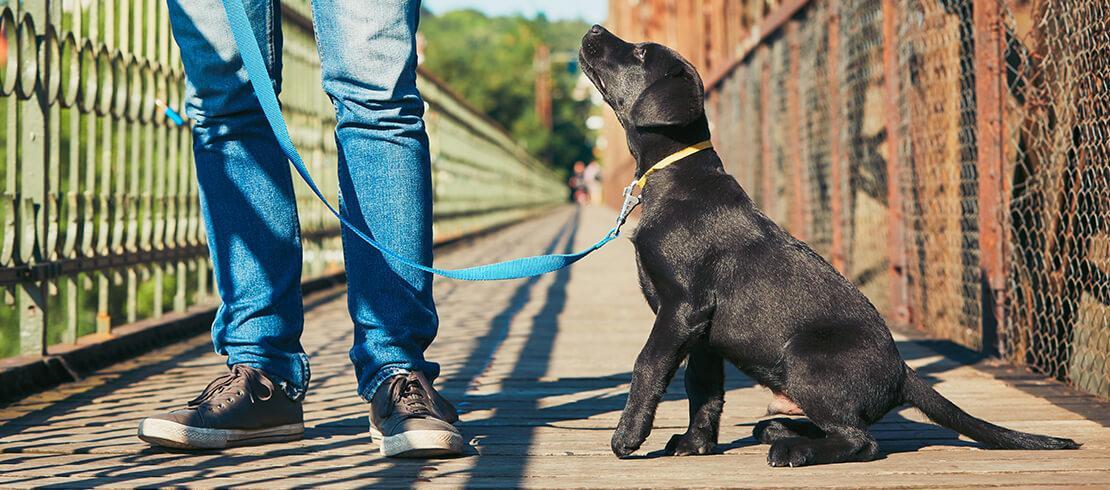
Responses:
[368,56]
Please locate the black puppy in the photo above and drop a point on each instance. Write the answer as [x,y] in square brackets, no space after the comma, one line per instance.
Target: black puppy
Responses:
[727,283]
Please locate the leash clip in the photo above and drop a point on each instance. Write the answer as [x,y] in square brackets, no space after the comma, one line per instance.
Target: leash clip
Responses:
[630,203]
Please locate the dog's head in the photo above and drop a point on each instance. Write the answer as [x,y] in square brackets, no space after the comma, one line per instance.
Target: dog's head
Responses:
[648,85]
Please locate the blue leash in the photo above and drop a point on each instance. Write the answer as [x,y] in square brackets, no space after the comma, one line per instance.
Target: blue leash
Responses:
[264,90]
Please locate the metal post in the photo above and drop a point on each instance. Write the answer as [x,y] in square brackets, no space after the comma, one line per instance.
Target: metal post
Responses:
[798,208]
[896,239]
[104,166]
[836,177]
[541,65]
[990,78]
[33,146]
[718,17]
[72,282]
[766,161]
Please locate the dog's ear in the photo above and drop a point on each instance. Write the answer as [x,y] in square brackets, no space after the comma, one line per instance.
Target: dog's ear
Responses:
[677,99]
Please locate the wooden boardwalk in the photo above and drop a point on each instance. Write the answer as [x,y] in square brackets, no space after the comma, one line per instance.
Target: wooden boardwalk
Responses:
[540,368]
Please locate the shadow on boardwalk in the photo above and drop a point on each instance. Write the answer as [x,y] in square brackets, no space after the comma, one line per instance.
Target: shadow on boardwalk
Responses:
[539,368]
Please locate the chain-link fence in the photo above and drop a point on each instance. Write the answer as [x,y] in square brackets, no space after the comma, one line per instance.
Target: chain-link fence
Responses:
[938,155]
[813,90]
[949,157]
[863,139]
[1057,106]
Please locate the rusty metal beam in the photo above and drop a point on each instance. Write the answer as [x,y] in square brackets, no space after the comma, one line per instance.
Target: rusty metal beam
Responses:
[798,208]
[836,171]
[990,79]
[766,161]
[896,225]
[770,24]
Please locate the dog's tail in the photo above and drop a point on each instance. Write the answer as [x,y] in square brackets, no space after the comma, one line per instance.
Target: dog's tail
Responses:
[942,411]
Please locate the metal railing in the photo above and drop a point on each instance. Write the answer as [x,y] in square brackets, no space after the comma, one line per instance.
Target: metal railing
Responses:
[951,158]
[99,218]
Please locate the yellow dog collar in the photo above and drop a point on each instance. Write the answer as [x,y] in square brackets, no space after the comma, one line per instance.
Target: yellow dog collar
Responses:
[674,157]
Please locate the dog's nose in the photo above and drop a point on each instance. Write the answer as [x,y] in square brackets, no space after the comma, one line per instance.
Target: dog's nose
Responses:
[596,29]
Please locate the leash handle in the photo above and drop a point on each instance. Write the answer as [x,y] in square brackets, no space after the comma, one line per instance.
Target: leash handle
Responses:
[171,114]
[267,98]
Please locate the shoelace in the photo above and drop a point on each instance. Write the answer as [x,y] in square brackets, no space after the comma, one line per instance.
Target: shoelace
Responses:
[254,381]
[408,391]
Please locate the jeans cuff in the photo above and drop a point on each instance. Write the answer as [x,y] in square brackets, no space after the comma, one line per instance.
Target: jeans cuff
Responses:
[383,374]
[294,389]
[294,393]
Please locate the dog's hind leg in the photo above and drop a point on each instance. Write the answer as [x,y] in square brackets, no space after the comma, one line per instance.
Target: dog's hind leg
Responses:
[840,444]
[705,388]
[846,437]
[836,416]
[774,430]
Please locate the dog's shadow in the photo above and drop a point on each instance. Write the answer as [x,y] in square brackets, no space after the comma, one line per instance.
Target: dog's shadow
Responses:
[719,449]
[895,433]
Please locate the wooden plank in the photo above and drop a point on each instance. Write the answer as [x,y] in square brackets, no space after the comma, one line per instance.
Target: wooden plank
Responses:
[539,369]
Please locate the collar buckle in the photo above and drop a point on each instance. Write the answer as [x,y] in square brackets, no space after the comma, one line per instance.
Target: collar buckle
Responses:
[630,202]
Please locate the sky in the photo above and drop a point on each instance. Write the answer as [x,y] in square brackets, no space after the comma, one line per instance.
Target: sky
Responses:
[588,10]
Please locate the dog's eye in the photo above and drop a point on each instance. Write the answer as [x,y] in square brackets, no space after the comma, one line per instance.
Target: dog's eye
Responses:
[638,53]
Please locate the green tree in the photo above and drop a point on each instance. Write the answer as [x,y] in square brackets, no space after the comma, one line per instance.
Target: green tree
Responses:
[490,62]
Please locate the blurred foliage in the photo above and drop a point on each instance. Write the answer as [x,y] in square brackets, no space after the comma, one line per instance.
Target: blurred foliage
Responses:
[489,61]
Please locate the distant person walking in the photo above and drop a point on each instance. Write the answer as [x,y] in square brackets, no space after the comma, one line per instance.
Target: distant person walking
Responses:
[578,190]
[592,176]
[368,58]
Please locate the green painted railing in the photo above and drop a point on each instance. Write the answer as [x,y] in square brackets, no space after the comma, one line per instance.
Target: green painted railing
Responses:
[99,218]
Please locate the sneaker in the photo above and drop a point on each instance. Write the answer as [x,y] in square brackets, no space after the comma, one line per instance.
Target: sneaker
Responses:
[412,420]
[240,408]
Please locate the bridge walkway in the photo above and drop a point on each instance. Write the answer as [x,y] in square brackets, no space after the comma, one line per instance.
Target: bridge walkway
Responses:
[540,368]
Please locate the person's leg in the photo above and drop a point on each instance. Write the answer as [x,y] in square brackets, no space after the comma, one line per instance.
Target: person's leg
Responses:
[368,55]
[246,192]
[246,195]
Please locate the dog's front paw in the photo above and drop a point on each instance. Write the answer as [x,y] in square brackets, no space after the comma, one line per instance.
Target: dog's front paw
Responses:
[688,444]
[791,452]
[623,444]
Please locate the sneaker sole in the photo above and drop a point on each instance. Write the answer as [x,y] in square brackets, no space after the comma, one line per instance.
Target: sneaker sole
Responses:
[419,443]
[178,436]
